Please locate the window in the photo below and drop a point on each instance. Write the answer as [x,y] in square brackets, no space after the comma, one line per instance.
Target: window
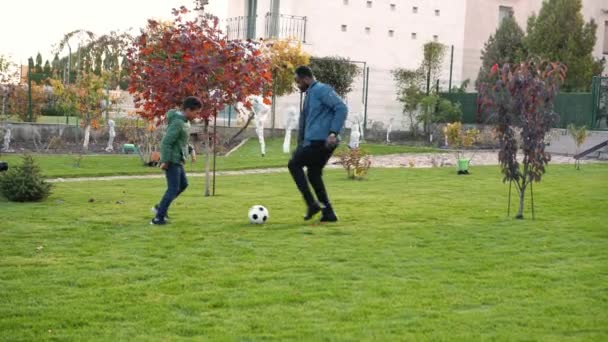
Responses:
[393,7]
[414,35]
[368,30]
[369,4]
[504,12]
[415,9]
[391,33]
[606,38]
[344,28]
[436,38]
[437,12]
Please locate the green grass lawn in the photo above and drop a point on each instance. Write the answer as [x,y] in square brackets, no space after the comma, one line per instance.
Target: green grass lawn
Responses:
[419,254]
[247,157]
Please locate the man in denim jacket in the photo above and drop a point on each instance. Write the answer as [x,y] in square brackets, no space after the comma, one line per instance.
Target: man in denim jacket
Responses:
[321,121]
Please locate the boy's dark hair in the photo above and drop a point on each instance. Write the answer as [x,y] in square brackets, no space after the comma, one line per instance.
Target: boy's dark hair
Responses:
[192,103]
[304,71]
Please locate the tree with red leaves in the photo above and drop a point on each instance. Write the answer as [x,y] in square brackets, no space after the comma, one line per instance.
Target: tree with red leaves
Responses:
[520,98]
[169,62]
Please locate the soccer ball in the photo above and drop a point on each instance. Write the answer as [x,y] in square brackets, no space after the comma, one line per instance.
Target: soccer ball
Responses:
[258,214]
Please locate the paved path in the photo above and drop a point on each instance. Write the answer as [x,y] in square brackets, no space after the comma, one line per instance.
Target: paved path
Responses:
[415,160]
[160,175]
[426,160]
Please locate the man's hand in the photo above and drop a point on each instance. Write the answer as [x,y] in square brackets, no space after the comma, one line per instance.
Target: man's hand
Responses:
[164,166]
[332,141]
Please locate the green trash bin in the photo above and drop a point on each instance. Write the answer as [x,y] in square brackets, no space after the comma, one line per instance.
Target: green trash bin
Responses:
[463,166]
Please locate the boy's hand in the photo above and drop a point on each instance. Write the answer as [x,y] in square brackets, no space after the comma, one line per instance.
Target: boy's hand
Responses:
[164,166]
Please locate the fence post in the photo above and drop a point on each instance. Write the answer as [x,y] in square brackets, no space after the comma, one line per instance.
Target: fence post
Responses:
[107,103]
[595,94]
[428,81]
[366,98]
[451,68]
[238,29]
[305,22]
[29,91]
[274,102]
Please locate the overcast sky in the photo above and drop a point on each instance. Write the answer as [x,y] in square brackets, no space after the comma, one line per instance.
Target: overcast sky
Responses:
[29,26]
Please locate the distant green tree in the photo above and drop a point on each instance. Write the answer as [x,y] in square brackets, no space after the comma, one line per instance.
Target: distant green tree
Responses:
[506,45]
[560,33]
[337,72]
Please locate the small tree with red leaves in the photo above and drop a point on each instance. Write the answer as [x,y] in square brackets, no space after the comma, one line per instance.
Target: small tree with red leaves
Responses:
[169,62]
[520,98]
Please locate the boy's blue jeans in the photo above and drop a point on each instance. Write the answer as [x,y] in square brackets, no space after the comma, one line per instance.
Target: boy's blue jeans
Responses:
[176,184]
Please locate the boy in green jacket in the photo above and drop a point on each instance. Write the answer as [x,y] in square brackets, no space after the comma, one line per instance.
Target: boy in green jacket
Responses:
[173,152]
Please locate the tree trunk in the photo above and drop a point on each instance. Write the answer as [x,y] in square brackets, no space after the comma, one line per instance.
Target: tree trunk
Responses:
[87,136]
[207,159]
[414,125]
[522,197]
[274,105]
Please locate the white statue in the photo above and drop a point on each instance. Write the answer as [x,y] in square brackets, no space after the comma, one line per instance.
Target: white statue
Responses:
[36,138]
[388,130]
[112,134]
[260,112]
[7,139]
[291,122]
[355,137]
[356,130]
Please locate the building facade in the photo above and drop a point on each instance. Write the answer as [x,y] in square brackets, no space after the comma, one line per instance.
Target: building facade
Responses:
[388,34]
[483,17]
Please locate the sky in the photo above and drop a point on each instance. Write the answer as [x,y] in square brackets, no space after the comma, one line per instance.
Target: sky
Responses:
[31,26]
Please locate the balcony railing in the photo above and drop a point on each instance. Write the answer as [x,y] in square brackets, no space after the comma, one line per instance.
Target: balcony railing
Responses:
[283,26]
[276,26]
[240,28]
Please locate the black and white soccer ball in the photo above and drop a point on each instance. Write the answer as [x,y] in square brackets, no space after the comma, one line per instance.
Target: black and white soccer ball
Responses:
[258,214]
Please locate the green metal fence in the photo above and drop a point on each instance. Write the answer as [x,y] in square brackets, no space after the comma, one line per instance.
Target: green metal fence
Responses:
[599,93]
[468,104]
[574,108]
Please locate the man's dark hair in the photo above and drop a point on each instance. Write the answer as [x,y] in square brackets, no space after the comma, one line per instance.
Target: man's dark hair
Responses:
[192,103]
[304,71]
